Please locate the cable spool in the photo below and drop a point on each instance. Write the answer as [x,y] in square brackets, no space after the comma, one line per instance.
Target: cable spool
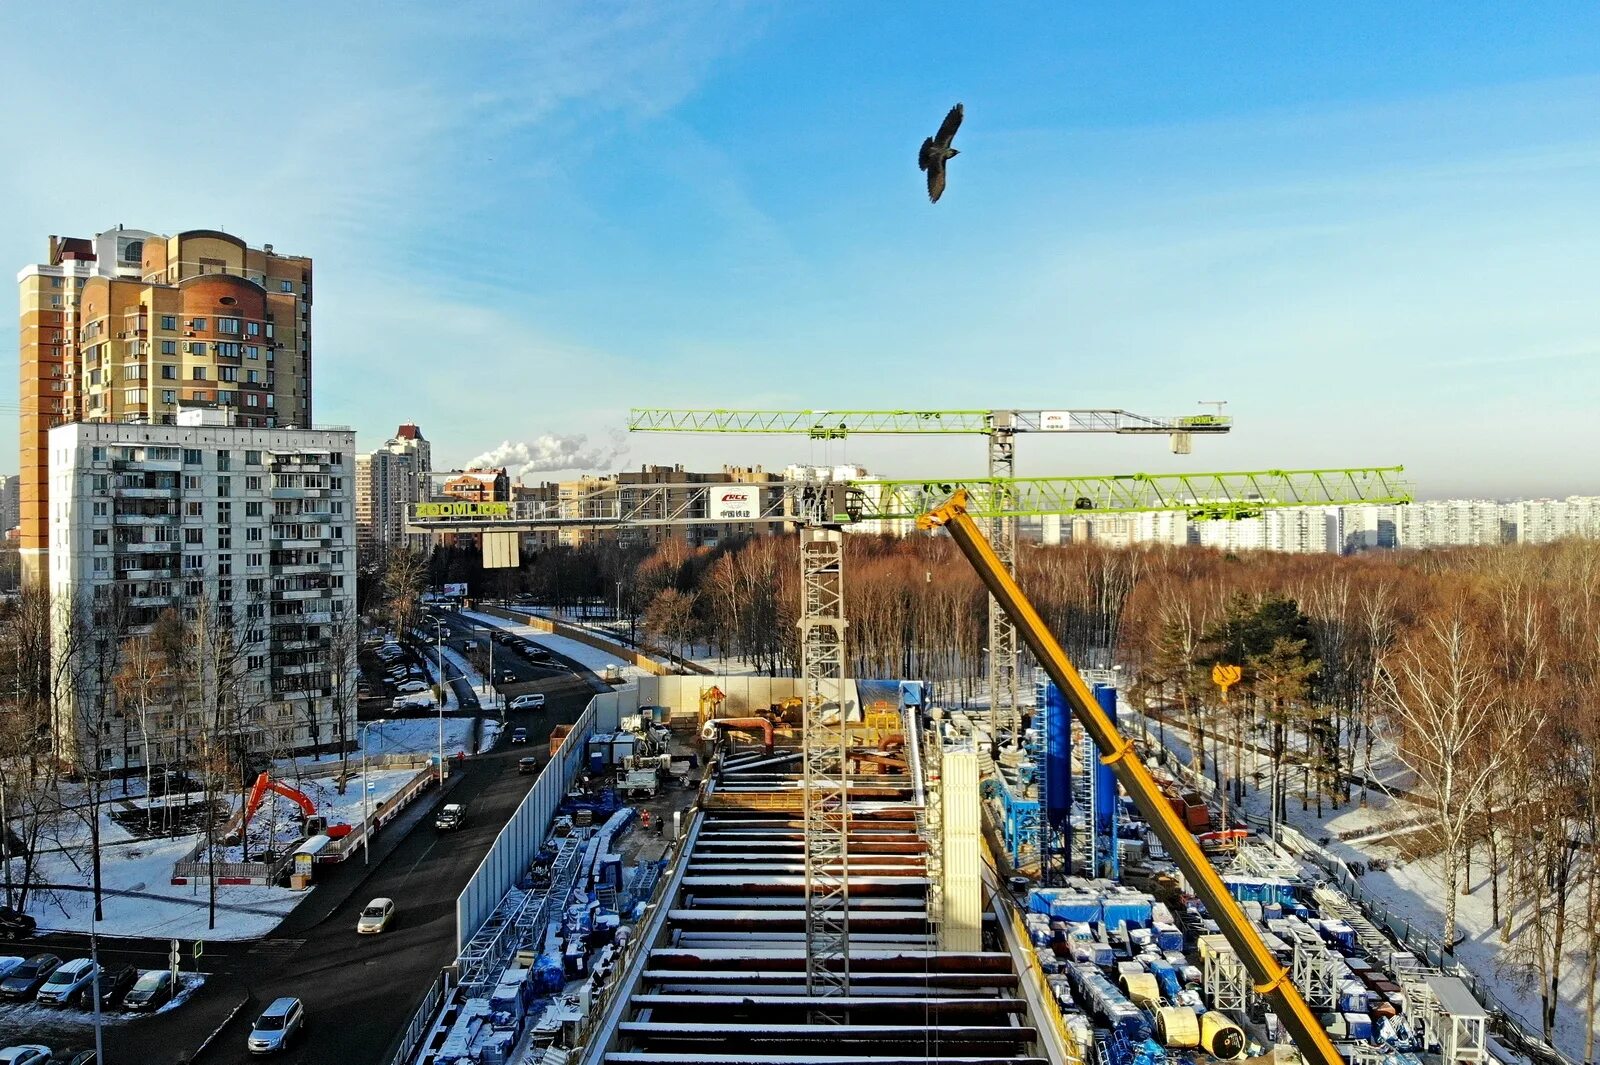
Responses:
[1142,989]
[1177,1027]
[1221,1037]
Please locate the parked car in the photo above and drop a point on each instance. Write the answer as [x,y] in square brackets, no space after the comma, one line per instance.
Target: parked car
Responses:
[25,1054]
[150,992]
[519,735]
[414,701]
[15,922]
[529,764]
[63,985]
[26,978]
[376,917]
[532,701]
[114,986]
[450,817]
[9,963]
[533,650]
[277,1026]
[411,687]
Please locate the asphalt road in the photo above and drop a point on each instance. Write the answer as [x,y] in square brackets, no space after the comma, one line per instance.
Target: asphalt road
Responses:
[359,990]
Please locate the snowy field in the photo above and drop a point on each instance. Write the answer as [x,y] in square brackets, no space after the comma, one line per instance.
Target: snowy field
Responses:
[139,898]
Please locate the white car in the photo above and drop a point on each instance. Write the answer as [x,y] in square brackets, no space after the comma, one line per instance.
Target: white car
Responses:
[25,1054]
[532,701]
[417,701]
[376,917]
[411,687]
[66,982]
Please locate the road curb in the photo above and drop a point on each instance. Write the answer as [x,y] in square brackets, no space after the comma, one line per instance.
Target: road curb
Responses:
[205,1044]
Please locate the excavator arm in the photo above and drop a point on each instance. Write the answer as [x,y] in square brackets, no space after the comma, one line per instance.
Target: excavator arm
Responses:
[258,791]
[1271,979]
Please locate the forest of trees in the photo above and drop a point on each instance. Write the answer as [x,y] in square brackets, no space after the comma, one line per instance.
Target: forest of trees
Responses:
[1477,668]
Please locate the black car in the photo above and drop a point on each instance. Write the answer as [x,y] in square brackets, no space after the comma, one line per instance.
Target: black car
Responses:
[26,979]
[451,816]
[152,990]
[115,983]
[15,922]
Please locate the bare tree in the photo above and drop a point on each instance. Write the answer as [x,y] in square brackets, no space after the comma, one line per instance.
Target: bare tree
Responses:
[1451,728]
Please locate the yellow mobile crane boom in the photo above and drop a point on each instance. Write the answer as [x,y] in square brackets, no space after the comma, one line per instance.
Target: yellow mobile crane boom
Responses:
[1271,979]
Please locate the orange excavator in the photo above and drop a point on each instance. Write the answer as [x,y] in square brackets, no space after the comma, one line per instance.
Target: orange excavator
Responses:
[258,791]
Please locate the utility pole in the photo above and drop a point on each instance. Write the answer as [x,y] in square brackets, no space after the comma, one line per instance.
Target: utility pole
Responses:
[438,634]
[366,818]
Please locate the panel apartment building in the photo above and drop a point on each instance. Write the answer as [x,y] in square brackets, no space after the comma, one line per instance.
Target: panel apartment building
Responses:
[128,325]
[245,532]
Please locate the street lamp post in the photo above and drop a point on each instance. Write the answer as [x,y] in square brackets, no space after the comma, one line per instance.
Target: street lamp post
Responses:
[438,633]
[366,818]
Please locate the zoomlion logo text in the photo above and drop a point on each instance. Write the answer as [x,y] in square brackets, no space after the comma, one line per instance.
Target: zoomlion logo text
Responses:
[463,510]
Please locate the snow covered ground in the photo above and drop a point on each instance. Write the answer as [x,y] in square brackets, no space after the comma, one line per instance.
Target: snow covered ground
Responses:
[1411,890]
[136,874]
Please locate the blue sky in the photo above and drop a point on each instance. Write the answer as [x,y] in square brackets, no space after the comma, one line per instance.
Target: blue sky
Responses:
[1372,229]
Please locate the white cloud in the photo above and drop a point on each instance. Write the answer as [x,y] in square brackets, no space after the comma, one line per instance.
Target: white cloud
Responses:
[550,453]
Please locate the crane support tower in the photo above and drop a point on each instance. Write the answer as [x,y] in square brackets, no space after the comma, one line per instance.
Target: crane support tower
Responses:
[1271,979]
[1000,427]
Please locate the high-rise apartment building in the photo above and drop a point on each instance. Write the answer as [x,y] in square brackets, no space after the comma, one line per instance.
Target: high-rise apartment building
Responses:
[10,503]
[129,325]
[388,481]
[244,534]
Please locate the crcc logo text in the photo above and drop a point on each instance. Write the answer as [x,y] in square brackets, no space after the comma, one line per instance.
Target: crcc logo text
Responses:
[733,505]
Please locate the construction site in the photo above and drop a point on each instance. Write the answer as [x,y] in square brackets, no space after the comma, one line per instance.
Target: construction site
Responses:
[745,869]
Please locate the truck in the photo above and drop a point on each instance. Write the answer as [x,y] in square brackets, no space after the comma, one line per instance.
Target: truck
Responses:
[558,734]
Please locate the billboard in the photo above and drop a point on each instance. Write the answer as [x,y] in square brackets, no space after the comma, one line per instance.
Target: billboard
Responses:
[1055,421]
[463,510]
[733,502]
[455,591]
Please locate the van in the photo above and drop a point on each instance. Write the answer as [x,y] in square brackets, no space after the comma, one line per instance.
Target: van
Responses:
[531,701]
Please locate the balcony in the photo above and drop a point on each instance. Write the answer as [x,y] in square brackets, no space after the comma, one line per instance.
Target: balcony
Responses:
[300,568]
[140,547]
[145,519]
[289,595]
[287,492]
[147,574]
[145,492]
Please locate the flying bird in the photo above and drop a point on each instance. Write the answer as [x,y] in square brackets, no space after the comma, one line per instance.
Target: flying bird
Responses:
[936,151]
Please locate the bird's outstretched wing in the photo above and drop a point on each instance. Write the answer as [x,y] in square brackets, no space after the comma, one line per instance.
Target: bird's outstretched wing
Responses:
[947,128]
[935,180]
[925,156]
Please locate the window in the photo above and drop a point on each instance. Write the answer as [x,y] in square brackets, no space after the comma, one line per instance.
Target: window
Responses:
[199,373]
[252,484]
[224,397]
[270,399]
[224,513]
[191,483]
[169,321]
[55,282]
[102,509]
[227,350]
[194,509]
[55,301]
[252,377]
[227,325]
[251,351]
[98,483]
[192,562]
[253,560]
[97,454]
[102,537]
[252,458]
[194,537]
[102,564]
[191,457]
[285,286]
[336,458]
[169,347]
[269,330]
[197,323]
[169,395]
[224,460]
[224,484]
[225,565]
[252,535]
[227,373]
[251,399]
[252,329]
[169,372]
[196,348]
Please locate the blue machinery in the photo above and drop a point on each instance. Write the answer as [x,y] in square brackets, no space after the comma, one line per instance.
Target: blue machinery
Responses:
[1036,802]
